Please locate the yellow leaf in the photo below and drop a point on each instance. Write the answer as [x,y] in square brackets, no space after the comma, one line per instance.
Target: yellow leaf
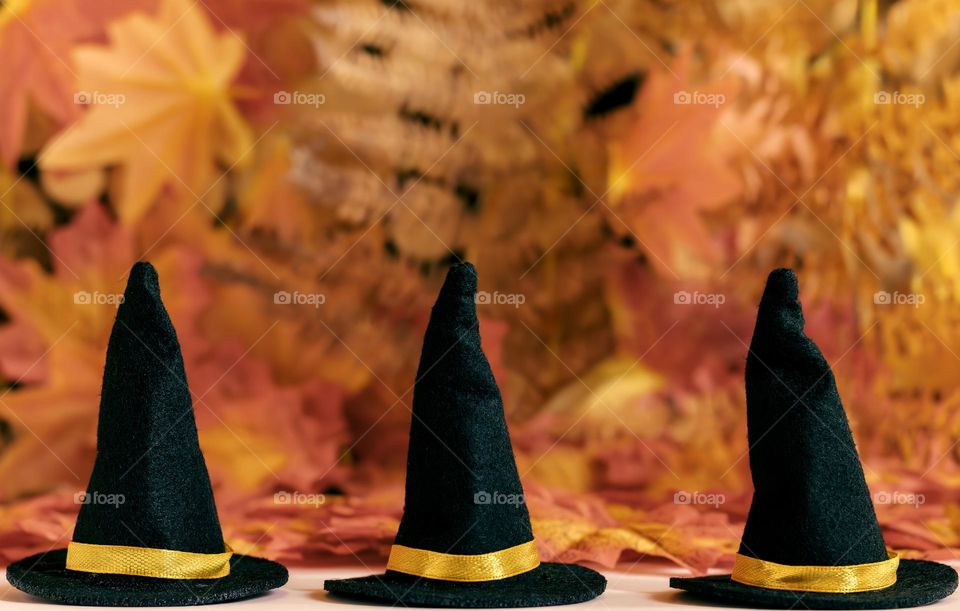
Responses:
[606,401]
[160,104]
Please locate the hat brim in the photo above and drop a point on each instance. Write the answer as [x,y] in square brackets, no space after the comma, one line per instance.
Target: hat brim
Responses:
[45,576]
[919,582]
[548,584]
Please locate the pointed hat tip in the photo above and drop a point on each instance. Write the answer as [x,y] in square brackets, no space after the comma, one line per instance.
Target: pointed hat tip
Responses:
[781,286]
[780,305]
[461,279]
[143,277]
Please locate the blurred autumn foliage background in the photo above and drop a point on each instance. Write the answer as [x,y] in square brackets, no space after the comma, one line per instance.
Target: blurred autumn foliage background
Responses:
[624,173]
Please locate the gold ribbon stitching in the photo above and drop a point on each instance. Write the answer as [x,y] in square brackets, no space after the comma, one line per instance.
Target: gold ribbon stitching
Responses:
[147,561]
[835,579]
[454,567]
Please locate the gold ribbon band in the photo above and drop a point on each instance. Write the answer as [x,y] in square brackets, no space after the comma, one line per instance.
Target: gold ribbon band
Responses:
[147,561]
[453,567]
[837,579]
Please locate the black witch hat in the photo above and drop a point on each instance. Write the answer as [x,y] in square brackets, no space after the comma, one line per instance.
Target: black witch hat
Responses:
[147,533]
[465,538]
[812,539]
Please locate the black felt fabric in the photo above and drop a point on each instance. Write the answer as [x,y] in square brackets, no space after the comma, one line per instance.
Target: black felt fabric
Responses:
[806,472]
[148,456]
[147,446]
[459,456]
[918,583]
[459,445]
[549,584]
[44,576]
[811,505]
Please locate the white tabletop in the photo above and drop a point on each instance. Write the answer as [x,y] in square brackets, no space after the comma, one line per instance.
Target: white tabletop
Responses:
[625,591]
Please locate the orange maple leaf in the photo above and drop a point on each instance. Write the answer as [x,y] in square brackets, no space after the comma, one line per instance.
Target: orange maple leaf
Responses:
[35,41]
[252,15]
[664,173]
